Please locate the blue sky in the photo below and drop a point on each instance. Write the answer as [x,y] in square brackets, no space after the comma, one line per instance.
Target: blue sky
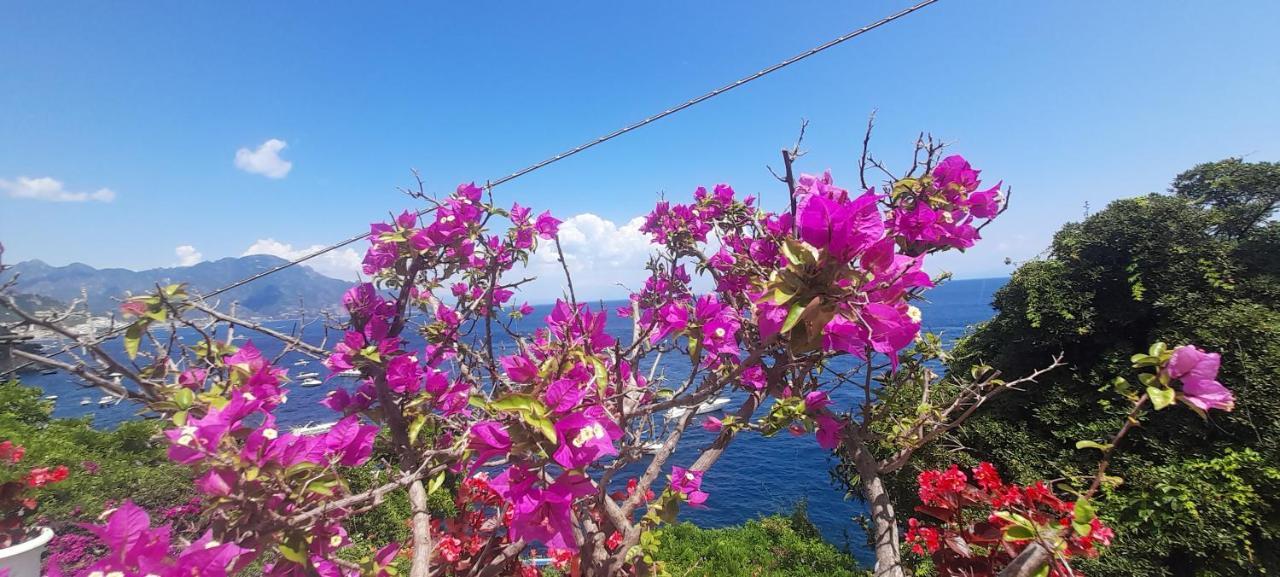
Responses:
[1069,102]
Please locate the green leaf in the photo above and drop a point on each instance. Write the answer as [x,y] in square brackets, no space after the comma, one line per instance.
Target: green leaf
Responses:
[321,487]
[1092,445]
[519,403]
[799,252]
[1081,517]
[670,511]
[291,554]
[1156,349]
[159,314]
[133,338]
[1043,571]
[1161,397]
[416,427]
[184,398]
[781,295]
[1016,519]
[435,483]
[793,317]
[542,423]
[695,349]
[1019,533]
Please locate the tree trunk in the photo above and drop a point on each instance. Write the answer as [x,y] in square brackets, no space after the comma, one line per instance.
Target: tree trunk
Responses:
[1028,562]
[421,525]
[884,524]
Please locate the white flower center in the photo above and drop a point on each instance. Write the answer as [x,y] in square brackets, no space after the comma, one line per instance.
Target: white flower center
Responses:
[188,436]
[587,434]
[914,314]
[250,397]
[720,332]
[270,434]
[335,541]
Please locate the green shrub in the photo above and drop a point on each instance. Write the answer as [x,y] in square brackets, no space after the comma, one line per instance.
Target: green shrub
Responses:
[106,466]
[774,546]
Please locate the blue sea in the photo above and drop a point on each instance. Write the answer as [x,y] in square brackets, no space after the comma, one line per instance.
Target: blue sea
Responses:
[756,476]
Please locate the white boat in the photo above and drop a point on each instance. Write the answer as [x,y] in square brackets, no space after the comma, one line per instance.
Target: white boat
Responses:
[107,400]
[51,397]
[301,363]
[348,373]
[311,382]
[310,375]
[85,401]
[313,429]
[49,372]
[651,447]
[114,375]
[706,407]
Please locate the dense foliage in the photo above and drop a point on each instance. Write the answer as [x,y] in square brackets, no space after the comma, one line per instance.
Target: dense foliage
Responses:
[106,466]
[1199,496]
[769,547]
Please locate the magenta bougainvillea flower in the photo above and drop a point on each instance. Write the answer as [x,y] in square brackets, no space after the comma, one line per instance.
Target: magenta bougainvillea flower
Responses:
[489,439]
[1198,373]
[830,430]
[567,392]
[519,368]
[542,513]
[133,547]
[719,326]
[585,436]
[547,226]
[688,484]
[829,219]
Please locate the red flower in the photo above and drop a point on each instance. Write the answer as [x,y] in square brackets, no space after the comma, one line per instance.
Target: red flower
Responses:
[43,476]
[987,477]
[11,452]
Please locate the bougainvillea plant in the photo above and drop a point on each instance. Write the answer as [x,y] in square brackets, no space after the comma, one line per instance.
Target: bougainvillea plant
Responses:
[981,528]
[803,299]
[18,504]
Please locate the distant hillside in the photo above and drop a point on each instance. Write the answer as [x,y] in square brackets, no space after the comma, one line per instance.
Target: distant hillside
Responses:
[277,296]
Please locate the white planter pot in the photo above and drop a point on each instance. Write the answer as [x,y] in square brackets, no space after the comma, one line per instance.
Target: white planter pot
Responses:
[23,559]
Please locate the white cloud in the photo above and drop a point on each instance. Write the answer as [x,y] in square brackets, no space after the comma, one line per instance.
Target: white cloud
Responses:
[603,258]
[265,160]
[52,190]
[343,263]
[188,255]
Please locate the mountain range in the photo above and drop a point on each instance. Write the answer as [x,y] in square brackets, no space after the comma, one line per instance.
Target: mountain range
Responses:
[280,295]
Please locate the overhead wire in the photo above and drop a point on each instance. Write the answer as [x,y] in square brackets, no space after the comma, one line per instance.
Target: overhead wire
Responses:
[545,162]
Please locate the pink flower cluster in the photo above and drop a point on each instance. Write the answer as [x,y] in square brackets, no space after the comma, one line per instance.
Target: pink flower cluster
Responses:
[561,376]
[834,278]
[939,211]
